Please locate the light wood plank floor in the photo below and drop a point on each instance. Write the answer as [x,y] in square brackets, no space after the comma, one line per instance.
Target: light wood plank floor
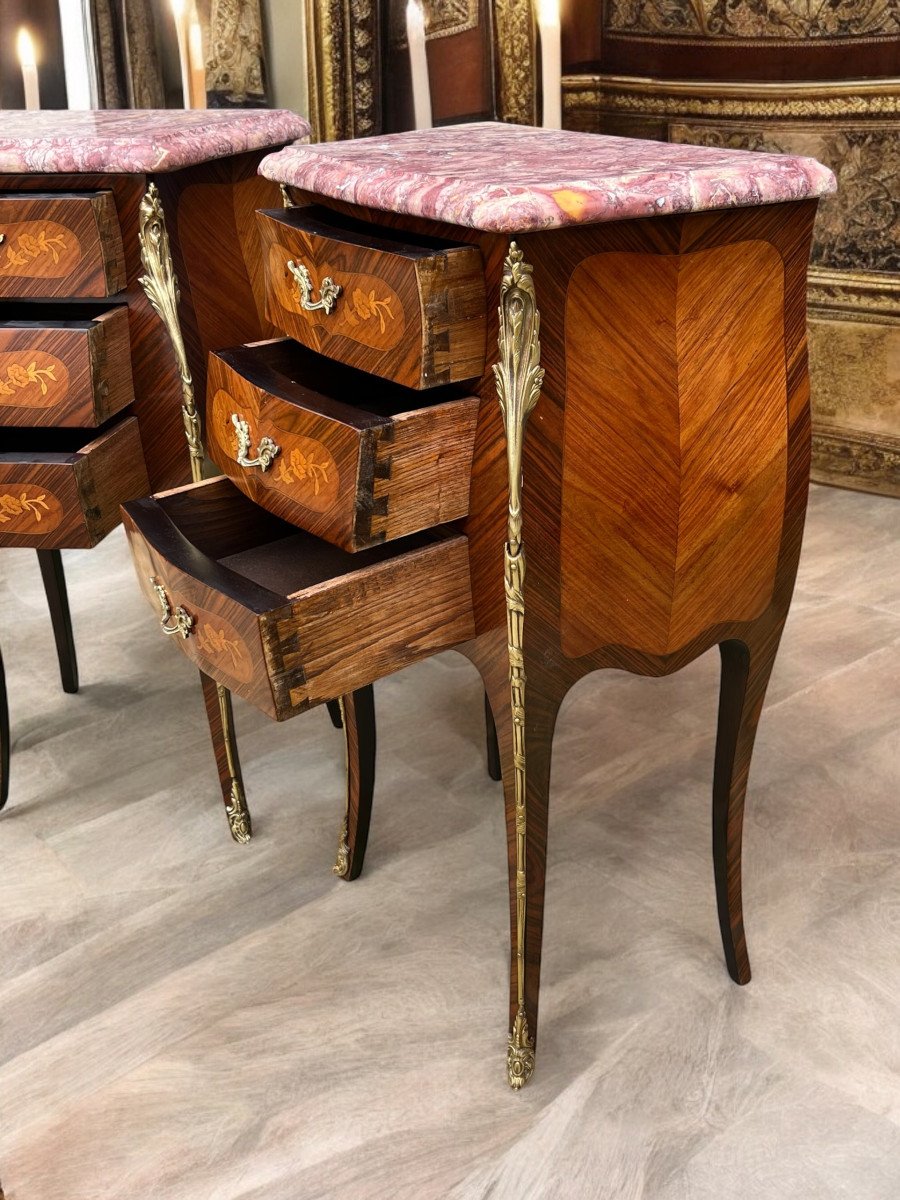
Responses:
[182,1018]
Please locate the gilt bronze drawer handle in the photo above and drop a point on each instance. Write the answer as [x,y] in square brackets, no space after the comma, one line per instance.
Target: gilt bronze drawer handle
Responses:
[184,622]
[266,451]
[328,292]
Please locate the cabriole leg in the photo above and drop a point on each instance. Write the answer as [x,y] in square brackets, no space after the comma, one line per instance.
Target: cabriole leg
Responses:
[357,711]
[221,727]
[745,677]
[4,738]
[50,562]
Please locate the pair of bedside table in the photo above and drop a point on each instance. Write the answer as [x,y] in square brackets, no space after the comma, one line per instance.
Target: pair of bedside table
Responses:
[644,305]
[102,216]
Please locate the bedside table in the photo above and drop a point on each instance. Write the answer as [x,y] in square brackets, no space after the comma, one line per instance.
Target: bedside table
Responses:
[645,304]
[104,218]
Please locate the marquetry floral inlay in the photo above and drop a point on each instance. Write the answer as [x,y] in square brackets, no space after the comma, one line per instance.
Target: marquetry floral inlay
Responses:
[367,307]
[302,469]
[216,642]
[26,247]
[19,377]
[24,505]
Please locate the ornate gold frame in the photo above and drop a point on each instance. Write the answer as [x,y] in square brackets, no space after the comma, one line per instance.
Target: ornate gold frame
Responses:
[343,39]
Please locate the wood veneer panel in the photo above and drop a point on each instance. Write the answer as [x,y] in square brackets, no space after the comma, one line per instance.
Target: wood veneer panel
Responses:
[674,477]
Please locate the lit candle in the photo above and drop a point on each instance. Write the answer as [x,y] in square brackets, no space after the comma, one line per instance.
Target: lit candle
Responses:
[179,12]
[25,48]
[551,62]
[198,65]
[418,63]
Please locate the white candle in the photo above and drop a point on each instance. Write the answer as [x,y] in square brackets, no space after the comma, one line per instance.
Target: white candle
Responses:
[25,49]
[179,12]
[78,56]
[418,63]
[198,65]
[551,62]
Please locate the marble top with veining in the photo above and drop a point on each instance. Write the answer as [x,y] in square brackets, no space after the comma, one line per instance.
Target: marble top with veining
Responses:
[132,141]
[511,179]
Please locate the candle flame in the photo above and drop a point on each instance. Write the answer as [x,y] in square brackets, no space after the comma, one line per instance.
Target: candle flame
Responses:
[548,12]
[25,48]
[178,9]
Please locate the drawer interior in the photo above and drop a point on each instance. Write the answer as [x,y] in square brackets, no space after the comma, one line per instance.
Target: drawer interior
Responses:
[39,314]
[221,523]
[47,444]
[326,223]
[286,369]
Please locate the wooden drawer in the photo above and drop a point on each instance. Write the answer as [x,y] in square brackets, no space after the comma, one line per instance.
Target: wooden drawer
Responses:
[356,460]
[60,244]
[410,309]
[61,371]
[61,489]
[281,617]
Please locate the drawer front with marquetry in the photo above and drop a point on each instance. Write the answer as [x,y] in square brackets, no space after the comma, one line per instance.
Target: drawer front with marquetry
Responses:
[281,617]
[342,454]
[406,308]
[60,245]
[61,370]
[61,489]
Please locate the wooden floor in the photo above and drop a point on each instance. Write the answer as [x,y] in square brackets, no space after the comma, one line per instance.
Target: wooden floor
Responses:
[183,1018]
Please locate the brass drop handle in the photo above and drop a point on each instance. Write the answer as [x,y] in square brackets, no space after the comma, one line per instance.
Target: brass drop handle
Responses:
[328,292]
[266,451]
[184,622]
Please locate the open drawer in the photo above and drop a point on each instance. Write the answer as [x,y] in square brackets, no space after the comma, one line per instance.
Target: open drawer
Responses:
[404,306]
[61,488]
[57,244]
[63,366]
[340,453]
[281,617]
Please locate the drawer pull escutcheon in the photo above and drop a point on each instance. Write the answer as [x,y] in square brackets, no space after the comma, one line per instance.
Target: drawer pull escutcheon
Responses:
[328,292]
[266,451]
[184,622]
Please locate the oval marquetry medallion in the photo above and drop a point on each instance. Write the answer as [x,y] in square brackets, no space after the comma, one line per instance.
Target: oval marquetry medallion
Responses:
[367,310]
[304,468]
[32,379]
[217,642]
[39,250]
[27,509]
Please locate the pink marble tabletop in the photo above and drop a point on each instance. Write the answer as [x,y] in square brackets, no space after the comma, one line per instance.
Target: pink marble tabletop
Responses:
[132,141]
[512,179]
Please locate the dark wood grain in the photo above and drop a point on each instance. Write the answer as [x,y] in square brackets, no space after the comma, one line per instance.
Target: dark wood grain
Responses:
[60,245]
[4,737]
[54,581]
[64,373]
[359,727]
[359,461]
[411,310]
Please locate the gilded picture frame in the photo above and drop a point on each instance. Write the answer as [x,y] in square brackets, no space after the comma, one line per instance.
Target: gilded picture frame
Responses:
[344,52]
